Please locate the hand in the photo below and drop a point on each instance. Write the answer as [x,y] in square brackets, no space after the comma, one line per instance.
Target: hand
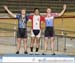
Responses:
[5,7]
[64,6]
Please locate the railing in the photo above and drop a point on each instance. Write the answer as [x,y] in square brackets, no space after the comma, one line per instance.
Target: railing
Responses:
[10,39]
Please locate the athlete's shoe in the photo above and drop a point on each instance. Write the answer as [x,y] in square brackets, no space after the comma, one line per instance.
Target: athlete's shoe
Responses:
[53,54]
[43,54]
[36,53]
[31,53]
[25,52]
[17,52]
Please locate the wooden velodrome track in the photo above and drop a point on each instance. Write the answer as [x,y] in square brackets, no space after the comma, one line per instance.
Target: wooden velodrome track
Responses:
[63,26]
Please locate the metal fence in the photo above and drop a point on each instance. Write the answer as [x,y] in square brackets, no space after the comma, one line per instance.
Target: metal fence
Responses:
[62,41]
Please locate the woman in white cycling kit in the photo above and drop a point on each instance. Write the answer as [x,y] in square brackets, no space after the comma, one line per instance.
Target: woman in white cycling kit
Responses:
[36,20]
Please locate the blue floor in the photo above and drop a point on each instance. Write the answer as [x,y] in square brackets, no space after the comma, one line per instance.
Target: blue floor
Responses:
[38,55]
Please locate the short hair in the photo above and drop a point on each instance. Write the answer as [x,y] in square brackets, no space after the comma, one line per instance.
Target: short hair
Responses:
[48,7]
[36,9]
[23,8]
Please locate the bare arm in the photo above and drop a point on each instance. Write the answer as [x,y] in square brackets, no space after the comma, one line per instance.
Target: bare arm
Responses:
[62,12]
[9,12]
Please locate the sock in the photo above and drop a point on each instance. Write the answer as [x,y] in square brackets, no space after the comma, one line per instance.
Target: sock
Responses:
[31,48]
[37,49]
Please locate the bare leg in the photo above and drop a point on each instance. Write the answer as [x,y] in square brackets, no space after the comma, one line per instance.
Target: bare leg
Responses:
[25,45]
[52,43]
[37,44]
[46,43]
[32,43]
[18,45]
